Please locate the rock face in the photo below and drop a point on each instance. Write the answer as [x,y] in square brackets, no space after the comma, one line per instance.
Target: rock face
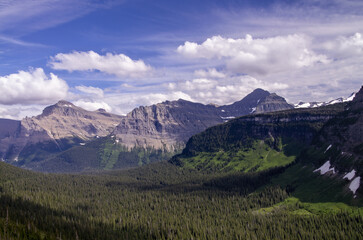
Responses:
[165,124]
[272,103]
[259,101]
[8,127]
[346,131]
[245,106]
[58,123]
[171,124]
[65,120]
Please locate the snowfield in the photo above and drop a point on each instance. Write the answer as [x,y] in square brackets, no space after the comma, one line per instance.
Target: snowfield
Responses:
[325,168]
[354,185]
[350,175]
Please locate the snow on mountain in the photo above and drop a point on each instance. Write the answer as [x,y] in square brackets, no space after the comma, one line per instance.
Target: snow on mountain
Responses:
[319,104]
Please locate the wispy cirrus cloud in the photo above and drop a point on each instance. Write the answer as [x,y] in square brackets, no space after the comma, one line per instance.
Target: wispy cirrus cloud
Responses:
[18,18]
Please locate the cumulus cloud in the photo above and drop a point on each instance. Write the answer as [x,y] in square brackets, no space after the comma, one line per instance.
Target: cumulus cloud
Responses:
[114,64]
[92,105]
[98,92]
[209,73]
[31,87]
[346,46]
[256,56]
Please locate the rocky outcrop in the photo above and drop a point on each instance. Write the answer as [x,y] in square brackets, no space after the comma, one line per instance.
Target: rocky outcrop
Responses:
[245,106]
[166,124]
[258,101]
[8,127]
[272,103]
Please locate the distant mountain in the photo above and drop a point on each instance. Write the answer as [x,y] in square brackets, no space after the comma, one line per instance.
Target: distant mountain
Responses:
[165,126]
[319,104]
[258,101]
[58,128]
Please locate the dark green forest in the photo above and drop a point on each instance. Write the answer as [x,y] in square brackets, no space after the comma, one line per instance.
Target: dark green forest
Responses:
[163,201]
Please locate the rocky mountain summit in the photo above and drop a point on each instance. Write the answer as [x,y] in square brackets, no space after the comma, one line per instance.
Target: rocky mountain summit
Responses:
[59,127]
[258,101]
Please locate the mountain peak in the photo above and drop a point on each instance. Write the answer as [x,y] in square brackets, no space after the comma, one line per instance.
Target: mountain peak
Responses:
[102,110]
[359,96]
[259,91]
[64,103]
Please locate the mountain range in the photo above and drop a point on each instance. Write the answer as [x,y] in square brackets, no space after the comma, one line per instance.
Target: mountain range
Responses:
[67,138]
[319,104]
[165,126]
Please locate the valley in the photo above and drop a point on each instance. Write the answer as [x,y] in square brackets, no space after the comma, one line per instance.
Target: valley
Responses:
[289,174]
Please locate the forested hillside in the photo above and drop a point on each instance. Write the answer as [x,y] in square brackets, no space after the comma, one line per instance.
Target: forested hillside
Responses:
[162,201]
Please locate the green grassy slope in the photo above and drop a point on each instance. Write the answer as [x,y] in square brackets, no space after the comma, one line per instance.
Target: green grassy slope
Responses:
[99,154]
[255,142]
[260,156]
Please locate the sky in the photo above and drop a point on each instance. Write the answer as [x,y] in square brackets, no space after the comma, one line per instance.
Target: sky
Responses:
[121,54]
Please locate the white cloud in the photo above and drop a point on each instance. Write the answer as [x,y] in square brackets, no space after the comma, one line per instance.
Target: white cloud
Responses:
[115,64]
[98,92]
[209,73]
[31,87]
[19,111]
[344,47]
[92,105]
[256,56]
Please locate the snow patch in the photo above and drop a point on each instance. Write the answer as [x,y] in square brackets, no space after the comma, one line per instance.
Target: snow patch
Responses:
[303,105]
[335,101]
[258,100]
[354,185]
[328,148]
[350,175]
[222,110]
[82,144]
[230,117]
[325,168]
[117,140]
[349,98]
[253,110]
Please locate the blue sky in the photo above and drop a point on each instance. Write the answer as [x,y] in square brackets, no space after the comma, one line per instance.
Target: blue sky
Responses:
[122,54]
